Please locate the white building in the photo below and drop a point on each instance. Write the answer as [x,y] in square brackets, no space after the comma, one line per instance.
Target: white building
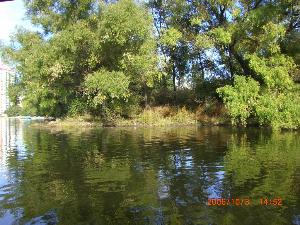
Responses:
[7,76]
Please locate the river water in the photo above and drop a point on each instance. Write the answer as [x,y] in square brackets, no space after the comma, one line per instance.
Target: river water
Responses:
[174,175]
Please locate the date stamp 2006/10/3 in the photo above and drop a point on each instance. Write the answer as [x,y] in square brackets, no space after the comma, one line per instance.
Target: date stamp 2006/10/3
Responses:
[244,201]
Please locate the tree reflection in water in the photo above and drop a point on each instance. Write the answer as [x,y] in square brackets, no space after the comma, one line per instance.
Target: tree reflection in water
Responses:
[148,175]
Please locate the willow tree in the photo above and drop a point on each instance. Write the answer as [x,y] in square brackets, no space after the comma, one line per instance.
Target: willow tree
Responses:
[226,39]
[257,37]
[87,56]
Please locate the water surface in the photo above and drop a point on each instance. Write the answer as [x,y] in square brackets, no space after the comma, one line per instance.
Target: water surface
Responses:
[147,175]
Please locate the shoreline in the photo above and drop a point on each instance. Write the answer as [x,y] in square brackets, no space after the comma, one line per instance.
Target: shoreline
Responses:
[125,123]
[151,117]
[73,123]
[156,117]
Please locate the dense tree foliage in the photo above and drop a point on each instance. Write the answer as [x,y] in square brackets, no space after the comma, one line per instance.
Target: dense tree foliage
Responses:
[105,57]
[214,43]
[87,57]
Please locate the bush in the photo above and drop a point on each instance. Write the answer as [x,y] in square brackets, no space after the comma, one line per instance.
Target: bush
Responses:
[181,97]
[161,116]
[14,110]
[240,98]
[279,111]
[77,107]
[184,116]
[245,99]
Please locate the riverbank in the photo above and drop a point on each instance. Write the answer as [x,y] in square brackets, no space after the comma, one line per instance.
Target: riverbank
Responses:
[150,117]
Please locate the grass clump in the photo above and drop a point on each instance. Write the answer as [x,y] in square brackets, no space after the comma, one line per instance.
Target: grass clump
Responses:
[82,121]
[208,113]
[212,113]
[161,116]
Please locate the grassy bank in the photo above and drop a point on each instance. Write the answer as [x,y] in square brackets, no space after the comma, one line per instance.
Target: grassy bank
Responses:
[151,116]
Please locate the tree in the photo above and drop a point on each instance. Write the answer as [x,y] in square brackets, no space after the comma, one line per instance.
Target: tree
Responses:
[196,48]
[255,38]
[84,47]
[222,35]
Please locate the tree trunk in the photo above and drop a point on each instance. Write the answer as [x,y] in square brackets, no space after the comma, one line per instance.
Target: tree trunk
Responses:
[174,77]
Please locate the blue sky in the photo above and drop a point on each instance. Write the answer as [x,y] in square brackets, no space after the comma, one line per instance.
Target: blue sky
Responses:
[12,14]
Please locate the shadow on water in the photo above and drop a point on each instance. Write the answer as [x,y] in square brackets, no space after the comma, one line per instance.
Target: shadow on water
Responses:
[147,175]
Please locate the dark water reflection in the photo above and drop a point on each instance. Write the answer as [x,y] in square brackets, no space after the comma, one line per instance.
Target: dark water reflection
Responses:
[146,176]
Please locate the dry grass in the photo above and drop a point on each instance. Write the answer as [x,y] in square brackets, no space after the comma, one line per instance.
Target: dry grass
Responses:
[206,114]
[161,116]
[213,113]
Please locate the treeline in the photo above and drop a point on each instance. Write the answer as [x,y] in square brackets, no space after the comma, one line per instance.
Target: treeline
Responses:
[113,58]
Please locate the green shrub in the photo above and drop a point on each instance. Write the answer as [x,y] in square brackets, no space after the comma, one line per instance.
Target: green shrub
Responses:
[14,110]
[279,111]
[77,107]
[240,98]
[163,116]
[245,99]
[184,116]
